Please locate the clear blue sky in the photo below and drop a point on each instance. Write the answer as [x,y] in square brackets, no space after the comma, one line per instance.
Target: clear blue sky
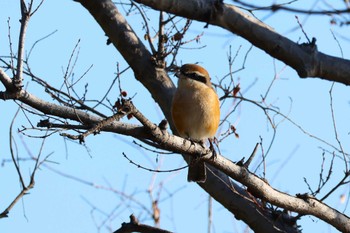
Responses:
[59,204]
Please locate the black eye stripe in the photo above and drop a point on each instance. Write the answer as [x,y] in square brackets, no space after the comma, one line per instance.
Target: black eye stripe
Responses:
[195,76]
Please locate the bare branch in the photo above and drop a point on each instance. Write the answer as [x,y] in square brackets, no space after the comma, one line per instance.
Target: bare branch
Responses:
[304,58]
[248,202]
[14,160]
[120,33]
[24,188]
[277,7]
[153,170]
[336,130]
[17,80]
[302,204]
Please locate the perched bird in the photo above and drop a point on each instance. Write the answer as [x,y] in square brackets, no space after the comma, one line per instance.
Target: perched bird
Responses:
[195,112]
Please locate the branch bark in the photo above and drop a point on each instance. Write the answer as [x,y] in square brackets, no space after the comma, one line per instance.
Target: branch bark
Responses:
[45,106]
[303,204]
[157,82]
[304,58]
[233,194]
[17,80]
[233,197]
[124,39]
[236,199]
[135,53]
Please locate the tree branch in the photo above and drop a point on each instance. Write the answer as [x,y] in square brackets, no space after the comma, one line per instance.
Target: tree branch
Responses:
[304,58]
[125,40]
[160,86]
[17,80]
[135,226]
[303,204]
[45,106]
[236,199]
[279,7]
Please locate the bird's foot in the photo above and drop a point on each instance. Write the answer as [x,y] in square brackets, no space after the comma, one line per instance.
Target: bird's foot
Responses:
[212,149]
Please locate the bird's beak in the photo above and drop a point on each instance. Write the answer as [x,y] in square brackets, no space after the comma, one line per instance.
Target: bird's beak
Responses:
[178,73]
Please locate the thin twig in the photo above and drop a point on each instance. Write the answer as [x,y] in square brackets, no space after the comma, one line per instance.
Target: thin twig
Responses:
[335,128]
[24,189]
[12,56]
[153,170]
[14,160]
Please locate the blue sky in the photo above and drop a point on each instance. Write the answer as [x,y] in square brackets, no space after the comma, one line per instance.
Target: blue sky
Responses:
[61,204]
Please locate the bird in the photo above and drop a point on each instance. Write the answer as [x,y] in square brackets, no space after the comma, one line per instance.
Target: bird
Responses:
[195,111]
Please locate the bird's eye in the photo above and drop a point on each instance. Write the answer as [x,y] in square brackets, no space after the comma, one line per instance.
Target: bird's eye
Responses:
[197,77]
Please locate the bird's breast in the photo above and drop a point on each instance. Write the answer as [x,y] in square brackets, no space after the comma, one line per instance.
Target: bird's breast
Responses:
[196,111]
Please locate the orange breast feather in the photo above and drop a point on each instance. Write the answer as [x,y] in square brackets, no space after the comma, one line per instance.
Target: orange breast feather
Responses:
[196,113]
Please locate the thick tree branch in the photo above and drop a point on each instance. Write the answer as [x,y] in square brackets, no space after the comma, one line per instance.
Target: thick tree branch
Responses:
[149,131]
[120,33]
[162,89]
[155,79]
[305,58]
[302,204]
[160,86]
[233,197]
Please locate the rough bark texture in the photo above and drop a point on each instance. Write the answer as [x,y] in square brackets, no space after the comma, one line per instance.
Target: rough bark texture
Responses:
[304,58]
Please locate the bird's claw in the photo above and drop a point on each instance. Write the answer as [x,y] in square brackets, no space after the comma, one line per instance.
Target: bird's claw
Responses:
[213,151]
